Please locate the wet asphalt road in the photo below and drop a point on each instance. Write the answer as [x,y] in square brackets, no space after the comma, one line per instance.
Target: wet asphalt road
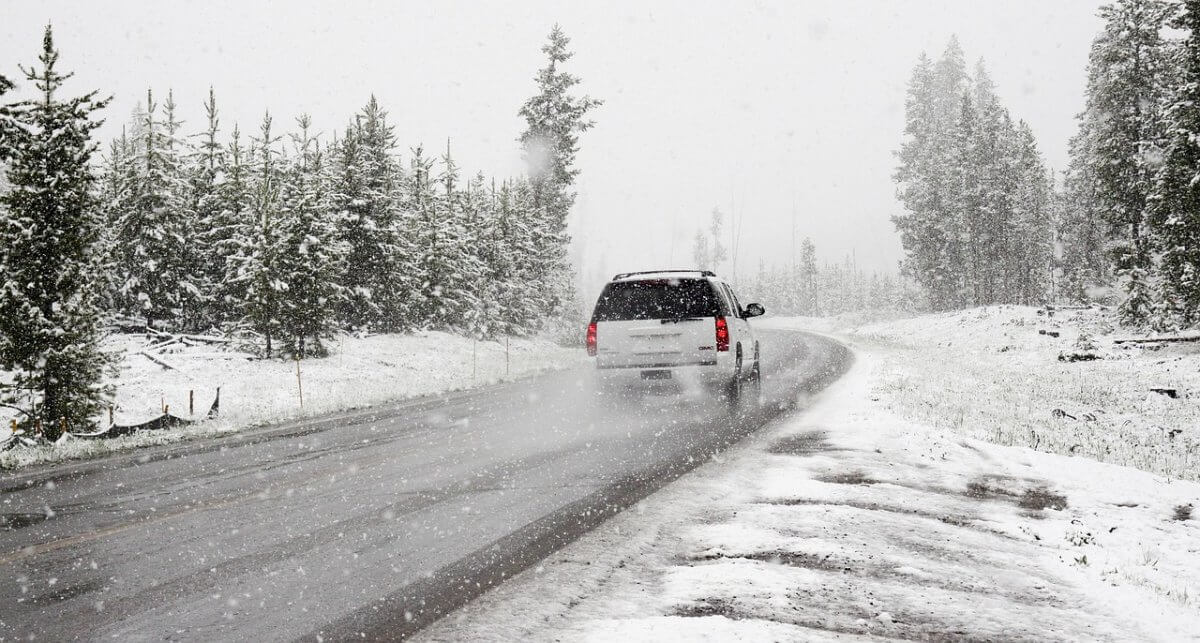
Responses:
[367,524]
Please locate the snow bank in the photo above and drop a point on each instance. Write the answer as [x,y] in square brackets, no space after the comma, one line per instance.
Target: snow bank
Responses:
[359,372]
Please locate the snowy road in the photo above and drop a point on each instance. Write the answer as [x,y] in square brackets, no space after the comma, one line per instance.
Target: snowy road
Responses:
[368,523]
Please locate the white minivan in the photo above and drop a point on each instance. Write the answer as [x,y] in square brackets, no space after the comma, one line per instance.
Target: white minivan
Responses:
[680,325]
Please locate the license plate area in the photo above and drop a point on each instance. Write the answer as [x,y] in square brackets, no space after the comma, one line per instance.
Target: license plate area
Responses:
[656,375]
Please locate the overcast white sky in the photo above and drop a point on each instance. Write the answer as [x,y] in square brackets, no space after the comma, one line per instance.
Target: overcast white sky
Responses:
[754,105]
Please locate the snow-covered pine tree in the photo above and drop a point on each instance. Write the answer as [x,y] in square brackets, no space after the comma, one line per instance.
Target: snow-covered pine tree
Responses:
[259,252]
[554,119]
[228,233]
[451,261]
[211,231]
[991,227]
[8,126]
[1175,210]
[522,297]
[192,293]
[1030,249]
[154,228]
[114,182]
[930,229]
[50,321]
[479,242]
[963,223]
[309,258]
[1127,85]
[366,193]
[701,252]
[809,300]
[707,250]
[420,199]
[1080,228]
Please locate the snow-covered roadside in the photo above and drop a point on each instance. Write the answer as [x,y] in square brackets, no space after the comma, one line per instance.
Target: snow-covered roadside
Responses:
[360,372]
[1004,374]
[848,521]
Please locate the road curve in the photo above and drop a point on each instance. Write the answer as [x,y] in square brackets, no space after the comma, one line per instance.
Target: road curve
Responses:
[373,523]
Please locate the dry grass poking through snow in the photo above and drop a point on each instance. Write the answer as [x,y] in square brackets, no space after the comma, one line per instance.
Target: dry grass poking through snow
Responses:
[995,373]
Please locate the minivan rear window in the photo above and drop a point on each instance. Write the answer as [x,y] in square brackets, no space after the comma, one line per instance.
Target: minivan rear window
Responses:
[656,299]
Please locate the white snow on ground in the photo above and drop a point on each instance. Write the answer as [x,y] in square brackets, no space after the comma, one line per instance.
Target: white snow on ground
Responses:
[851,521]
[992,373]
[359,372]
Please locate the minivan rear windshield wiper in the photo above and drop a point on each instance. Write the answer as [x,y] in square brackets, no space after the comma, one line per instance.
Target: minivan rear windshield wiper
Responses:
[676,320]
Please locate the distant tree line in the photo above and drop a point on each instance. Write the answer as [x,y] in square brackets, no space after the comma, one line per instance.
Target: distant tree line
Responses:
[281,233]
[812,289]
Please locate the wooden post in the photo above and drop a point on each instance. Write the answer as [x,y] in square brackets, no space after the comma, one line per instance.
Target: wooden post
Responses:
[191,402]
[62,427]
[299,382]
[474,344]
[162,403]
[14,426]
[37,427]
[506,356]
[110,414]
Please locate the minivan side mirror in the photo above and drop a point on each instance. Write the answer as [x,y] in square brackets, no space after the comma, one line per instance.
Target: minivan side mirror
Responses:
[753,310]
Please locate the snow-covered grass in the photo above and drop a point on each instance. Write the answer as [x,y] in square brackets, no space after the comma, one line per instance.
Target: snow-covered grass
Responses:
[359,372]
[992,373]
[858,520]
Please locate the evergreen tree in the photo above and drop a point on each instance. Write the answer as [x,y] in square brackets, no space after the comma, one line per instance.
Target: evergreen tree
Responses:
[708,252]
[50,322]
[929,228]
[1124,125]
[309,257]
[1081,229]
[230,230]
[114,183]
[259,270]
[8,125]
[522,298]
[450,269]
[808,301]
[966,216]
[1176,210]
[554,119]
[155,226]
[367,195]
[205,174]
[1029,250]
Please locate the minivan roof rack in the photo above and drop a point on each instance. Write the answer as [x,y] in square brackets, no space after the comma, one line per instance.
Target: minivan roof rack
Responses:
[622,275]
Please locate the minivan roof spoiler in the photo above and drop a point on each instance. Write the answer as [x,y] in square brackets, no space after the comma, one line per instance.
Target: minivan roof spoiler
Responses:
[623,275]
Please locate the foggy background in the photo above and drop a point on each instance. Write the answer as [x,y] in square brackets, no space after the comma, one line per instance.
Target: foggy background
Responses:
[776,112]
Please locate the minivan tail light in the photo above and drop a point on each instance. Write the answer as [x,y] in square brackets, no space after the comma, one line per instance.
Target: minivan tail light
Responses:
[722,334]
[591,339]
